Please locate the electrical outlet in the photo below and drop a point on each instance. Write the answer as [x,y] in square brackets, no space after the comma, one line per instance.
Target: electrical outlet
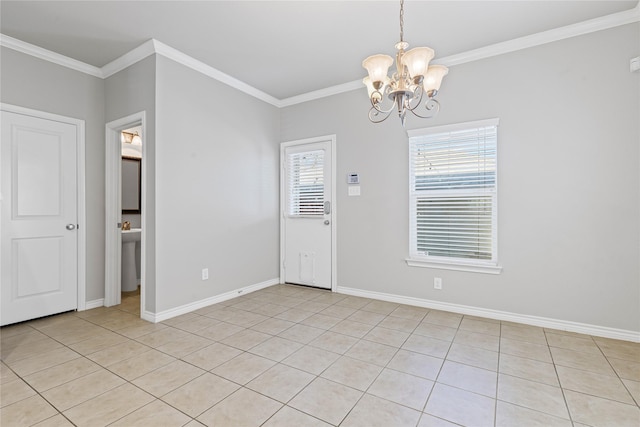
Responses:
[437,283]
[205,274]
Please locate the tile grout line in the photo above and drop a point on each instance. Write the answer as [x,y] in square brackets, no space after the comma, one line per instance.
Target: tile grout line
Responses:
[37,394]
[358,339]
[155,398]
[495,407]
[435,380]
[615,371]
[562,390]
[81,356]
[378,375]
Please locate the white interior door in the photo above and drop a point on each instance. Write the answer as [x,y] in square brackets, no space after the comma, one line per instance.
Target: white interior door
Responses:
[39,243]
[308,212]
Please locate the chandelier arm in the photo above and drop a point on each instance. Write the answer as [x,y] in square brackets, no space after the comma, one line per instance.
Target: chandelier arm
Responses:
[432,105]
[375,99]
[417,94]
[374,113]
[383,111]
[378,105]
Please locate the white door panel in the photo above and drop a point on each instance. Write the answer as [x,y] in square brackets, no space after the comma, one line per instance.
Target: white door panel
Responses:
[39,245]
[307,214]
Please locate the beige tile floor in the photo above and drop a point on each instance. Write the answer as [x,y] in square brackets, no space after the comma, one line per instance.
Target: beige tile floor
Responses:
[294,356]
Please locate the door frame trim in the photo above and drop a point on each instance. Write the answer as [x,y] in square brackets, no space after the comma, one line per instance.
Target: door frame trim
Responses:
[334,210]
[80,190]
[113,210]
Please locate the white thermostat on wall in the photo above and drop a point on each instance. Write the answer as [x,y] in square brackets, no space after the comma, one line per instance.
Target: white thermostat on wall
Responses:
[353,178]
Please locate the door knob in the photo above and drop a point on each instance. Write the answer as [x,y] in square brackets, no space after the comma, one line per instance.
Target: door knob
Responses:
[70,227]
[326,222]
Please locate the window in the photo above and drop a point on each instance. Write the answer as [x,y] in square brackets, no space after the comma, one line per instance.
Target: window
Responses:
[306,183]
[453,197]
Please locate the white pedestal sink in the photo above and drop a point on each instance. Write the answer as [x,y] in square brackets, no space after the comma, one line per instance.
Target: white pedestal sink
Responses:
[129,277]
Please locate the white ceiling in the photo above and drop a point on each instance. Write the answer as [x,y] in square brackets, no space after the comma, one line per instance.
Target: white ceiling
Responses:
[284,48]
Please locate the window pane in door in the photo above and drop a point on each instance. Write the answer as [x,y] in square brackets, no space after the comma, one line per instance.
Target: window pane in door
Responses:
[306,183]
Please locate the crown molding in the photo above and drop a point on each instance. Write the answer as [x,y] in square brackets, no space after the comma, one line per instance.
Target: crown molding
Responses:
[128,59]
[188,61]
[550,36]
[154,46]
[321,93]
[50,56]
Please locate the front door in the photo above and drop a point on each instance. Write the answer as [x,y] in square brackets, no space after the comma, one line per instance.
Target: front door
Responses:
[307,212]
[39,243]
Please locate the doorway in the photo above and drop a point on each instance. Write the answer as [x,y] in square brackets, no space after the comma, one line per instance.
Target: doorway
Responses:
[308,212]
[127,211]
[43,214]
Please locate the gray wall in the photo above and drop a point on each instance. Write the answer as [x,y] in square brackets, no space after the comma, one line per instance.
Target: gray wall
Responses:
[217,192]
[569,195]
[217,171]
[127,92]
[569,184]
[33,83]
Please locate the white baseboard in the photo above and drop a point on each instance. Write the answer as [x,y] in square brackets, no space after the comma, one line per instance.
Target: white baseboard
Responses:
[564,325]
[187,308]
[93,304]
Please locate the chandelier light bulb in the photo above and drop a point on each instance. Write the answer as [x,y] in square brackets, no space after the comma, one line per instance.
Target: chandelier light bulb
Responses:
[374,94]
[378,67]
[433,79]
[417,61]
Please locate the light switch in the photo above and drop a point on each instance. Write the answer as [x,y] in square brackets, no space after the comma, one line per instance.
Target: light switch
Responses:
[354,190]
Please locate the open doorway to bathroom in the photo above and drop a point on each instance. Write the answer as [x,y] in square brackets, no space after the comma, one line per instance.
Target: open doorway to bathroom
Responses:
[125,213]
[131,206]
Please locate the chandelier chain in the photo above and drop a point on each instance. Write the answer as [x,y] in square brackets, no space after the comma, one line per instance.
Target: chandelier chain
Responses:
[401,20]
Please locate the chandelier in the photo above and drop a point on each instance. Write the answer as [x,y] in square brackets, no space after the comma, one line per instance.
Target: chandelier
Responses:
[413,82]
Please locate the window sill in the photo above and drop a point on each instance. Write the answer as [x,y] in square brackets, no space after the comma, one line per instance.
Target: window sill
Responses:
[474,268]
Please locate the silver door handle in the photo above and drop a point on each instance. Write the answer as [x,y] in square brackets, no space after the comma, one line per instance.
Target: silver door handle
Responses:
[70,227]
[327,207]
[326,222]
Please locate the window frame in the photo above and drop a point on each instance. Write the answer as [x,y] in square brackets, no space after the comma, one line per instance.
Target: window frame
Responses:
[293,209]
[417,259]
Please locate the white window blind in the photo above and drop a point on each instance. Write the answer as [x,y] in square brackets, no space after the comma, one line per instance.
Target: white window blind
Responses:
[306,183]
[453,193]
